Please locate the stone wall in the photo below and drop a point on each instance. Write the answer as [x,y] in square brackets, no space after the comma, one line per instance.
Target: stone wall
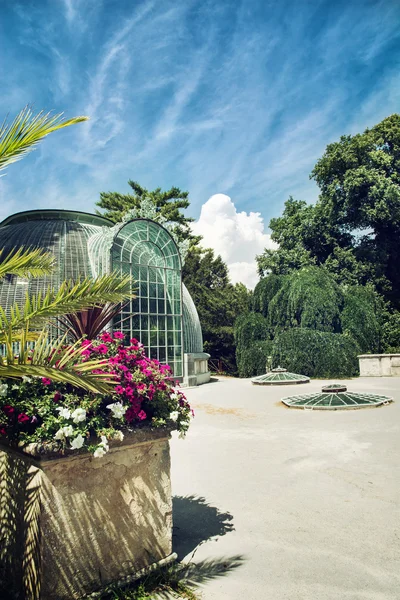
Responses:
[70,525]
[379,365]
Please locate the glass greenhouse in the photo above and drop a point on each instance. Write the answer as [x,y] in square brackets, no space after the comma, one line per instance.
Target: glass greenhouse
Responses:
[162,316]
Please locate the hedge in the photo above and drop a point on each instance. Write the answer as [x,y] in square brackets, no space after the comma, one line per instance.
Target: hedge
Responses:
[251,361]
[316,353]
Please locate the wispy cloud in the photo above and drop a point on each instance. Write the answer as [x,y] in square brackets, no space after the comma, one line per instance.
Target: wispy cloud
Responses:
[232,97]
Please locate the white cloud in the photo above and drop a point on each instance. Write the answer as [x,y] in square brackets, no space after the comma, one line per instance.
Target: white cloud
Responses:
[237,236]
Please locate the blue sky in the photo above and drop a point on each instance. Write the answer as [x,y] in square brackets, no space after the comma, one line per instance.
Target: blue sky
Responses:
[229,97]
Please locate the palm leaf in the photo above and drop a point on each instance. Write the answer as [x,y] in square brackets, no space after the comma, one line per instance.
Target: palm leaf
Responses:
[59,363]
[70,297]
[26,263]
[22,135]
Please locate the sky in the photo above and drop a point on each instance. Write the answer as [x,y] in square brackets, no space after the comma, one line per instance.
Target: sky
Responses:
[233,101]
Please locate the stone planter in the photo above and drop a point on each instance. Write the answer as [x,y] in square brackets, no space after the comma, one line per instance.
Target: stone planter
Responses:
[71,524]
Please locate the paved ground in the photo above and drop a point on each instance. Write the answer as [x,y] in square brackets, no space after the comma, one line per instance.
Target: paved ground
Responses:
[289,504]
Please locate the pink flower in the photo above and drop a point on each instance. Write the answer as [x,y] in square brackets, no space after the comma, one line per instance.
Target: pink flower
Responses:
[142,415]
[86,353]
[102,348]
[23,418]
[46,381]
[133,341]
[106,337]
[114,360]
[57,397]
[118,335]
[3,431]
[128,376]
[131,414]
[86,343]
[8,410]
[129,391]
[119,389]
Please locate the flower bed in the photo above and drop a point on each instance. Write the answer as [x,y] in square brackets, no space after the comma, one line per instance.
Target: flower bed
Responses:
[43,412]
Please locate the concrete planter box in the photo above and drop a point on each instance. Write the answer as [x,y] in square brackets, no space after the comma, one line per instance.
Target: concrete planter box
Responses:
[71,524]
[379,365]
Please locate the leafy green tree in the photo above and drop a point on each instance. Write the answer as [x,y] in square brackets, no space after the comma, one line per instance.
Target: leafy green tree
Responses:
[218,302]
[308,298]
[265,290]
[361,317]
[354,227]
[168,203]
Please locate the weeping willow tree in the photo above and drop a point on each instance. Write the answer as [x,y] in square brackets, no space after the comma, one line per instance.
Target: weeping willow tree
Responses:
[265,290]
[361,317]
[308,298]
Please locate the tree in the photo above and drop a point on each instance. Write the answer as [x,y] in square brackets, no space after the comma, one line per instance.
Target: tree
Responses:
[218,302]
[354,227]
[168,203]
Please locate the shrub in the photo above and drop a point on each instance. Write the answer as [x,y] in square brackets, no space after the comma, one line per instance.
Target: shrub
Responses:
[250,327]
[40,410]
[316,353]
[391,333]
[252,360]
[359,317]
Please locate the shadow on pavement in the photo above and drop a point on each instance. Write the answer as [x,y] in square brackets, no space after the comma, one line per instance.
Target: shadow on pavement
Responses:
[195,522]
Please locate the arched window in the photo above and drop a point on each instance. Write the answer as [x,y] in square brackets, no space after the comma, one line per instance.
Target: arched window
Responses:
[147,252]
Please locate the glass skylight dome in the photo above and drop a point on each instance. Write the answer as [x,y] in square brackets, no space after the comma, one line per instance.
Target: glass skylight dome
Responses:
[335,397]
[162,316]
[279,376]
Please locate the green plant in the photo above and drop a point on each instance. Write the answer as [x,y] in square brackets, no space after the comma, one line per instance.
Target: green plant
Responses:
[316,353]
[252,360]
[360,317]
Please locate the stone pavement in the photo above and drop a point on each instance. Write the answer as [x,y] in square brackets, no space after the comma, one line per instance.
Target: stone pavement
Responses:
[285,504]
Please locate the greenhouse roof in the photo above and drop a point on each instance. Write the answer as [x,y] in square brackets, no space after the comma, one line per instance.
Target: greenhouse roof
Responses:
[57,214]
[335,397]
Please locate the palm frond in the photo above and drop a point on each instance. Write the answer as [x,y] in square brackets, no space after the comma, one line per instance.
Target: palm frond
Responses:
[22,135]
[70,297]
[26,262]
[58,362]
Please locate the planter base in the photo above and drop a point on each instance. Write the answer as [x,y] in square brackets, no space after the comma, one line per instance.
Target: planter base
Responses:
[72,525]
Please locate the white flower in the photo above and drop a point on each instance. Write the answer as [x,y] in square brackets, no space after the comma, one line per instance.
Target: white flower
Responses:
[64,432]
[64,412]
[3,389]
[26,379]
[15,387]
[174,396]
[104,442]
[78,415]
[99,452]
[118,435]
[60,434]
[77,442]
[174,415]
[118,409]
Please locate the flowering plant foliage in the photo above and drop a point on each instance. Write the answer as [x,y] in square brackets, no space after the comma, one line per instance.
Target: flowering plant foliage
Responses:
[43,411]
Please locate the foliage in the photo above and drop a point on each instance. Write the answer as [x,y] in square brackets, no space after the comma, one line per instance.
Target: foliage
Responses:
[316,353]
[26,263]
[308,298]
[43,410]
[391,333]
[23,134]
[250,327]
[360,317]
[89,323]
[355,225]
[264,291]
[252,359]
[168,203]
[22,325]
[218,302]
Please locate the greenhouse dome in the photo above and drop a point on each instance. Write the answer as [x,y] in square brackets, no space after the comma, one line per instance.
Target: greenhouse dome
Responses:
[162,316]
